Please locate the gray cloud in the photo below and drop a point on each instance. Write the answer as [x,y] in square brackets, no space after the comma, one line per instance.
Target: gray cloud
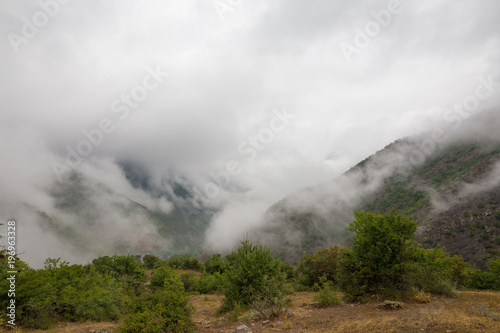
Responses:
[225,79]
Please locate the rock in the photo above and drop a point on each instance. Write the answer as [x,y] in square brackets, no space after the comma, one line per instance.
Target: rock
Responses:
[242,329]
[265,322]
[314,305]
[289,313]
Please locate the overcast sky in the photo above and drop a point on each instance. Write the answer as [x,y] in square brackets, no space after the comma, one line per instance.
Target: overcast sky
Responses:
[284,93]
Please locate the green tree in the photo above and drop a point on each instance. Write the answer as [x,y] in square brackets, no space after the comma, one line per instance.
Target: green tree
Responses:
[150,260]
[378,261]
[251,272]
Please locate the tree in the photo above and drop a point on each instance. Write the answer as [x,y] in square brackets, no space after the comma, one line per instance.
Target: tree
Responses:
[379,259]
[251,274]
[150,260]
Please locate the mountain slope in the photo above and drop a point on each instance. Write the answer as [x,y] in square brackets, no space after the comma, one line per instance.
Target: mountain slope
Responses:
[453,194]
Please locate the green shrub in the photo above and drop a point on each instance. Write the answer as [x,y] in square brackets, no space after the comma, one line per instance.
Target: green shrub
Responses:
[190,282]
[150,260]
[379,259]
[271,300]
[125,268]
[210,284]
[165,309]
[323,263]
[60,291]
[185,261]
[248,273]
[434,271]
[214,264]
[482,280]
[161,311]
[327,295]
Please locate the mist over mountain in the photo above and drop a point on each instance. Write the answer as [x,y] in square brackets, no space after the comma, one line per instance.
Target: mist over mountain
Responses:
[172,126]
[451,186]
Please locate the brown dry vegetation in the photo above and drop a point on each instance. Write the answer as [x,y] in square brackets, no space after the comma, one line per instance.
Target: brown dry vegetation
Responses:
[469,312]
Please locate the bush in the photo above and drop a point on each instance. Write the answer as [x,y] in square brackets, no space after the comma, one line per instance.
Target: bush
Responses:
[432,270]
[124,268]
[271,300]
[214,264]
[249,271]
[149,261]
[379,259]
[159,312]
[60,291]
[327,295]
[185,261]
[324,263]
[210,284]
[482,280]
[166,309]
[190,282]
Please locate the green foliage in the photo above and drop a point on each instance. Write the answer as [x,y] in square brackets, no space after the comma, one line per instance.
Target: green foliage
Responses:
[150,260]
[210,284]
[271,300]
[124,268]
[249,271]
[378,261]
[327,295]
[60,291]
[162,274]
[434,271]
[165,309]
[486,279]
[402,195]
[185,261]
[323,263]
[190,282]
[483,280]
[161,311]
[214,264]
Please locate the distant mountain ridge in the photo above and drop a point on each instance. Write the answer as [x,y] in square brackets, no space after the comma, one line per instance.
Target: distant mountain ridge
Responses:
[453,194]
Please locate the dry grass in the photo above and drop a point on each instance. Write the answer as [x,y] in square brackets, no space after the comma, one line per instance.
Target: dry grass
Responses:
[469,312]
[72,327]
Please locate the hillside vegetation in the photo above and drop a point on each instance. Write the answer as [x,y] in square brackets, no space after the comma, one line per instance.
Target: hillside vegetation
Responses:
[454,196]
[150,294]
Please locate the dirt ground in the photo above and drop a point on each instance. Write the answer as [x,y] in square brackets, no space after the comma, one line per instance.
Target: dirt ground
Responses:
[469,312]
